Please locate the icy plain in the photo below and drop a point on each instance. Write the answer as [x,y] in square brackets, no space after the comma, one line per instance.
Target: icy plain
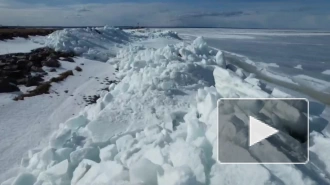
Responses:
[158,125]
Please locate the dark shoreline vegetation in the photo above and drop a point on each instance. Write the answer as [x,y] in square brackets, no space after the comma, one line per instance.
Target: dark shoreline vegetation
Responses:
[29,69]
[10,33]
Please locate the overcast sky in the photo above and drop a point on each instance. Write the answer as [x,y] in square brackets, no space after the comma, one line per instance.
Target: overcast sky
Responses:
[293,14]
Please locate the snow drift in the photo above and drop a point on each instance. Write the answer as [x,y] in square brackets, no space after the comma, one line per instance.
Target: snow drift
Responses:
[159,126]
[99,43]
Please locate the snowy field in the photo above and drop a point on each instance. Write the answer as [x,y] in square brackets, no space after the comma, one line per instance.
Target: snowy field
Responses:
[17,45]
[158,125]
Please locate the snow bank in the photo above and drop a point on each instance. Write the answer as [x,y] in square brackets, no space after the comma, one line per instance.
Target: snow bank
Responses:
[158,126]
[99,43]
[321,144]
[272,65]
[164,34]
[93,43]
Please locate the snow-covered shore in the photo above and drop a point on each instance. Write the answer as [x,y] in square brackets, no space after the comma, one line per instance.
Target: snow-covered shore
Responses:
[18,45]
[158,125]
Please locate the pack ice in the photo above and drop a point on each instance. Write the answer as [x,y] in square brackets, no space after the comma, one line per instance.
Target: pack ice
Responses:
[158,125]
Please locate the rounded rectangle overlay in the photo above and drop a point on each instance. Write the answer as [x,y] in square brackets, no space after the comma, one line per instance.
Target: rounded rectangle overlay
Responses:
[277,128]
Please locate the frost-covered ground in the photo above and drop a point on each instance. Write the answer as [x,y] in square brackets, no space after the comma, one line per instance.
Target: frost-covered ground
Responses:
[28,123]
[158,125]
[18,45]
[25,124]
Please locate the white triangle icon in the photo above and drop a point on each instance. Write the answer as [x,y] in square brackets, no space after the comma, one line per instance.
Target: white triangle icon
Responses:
[259,131]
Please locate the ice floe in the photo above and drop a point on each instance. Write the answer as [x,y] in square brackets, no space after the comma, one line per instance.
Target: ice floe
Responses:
[326,72]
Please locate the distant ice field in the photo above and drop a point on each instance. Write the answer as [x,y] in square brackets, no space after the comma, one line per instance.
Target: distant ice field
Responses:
[296,56]
[310,49]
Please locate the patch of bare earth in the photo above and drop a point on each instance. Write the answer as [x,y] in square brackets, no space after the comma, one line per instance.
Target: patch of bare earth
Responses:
[44,87]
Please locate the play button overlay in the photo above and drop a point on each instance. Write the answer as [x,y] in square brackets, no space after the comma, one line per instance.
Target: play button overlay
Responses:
[263,131]
[259,131]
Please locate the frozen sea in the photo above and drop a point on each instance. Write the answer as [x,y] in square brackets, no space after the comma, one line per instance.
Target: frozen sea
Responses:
[287,49]
[295,56]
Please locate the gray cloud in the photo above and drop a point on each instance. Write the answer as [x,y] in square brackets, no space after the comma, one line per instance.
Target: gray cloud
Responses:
[216,14]
[83,9]
[166,14]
